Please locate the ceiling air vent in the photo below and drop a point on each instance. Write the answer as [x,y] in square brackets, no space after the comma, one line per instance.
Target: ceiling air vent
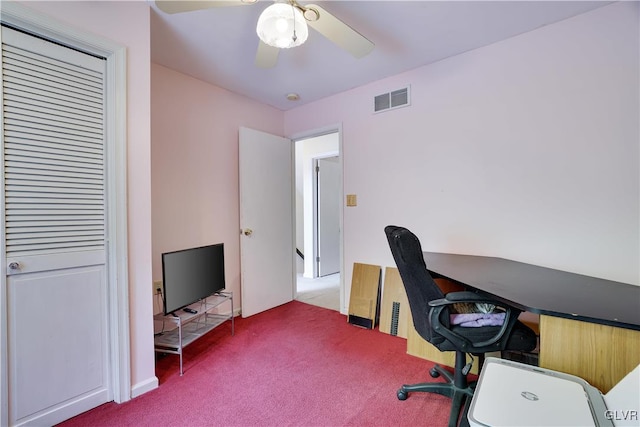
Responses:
[388,101]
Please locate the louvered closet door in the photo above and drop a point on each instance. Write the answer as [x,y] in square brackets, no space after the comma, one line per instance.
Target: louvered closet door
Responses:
[54,222]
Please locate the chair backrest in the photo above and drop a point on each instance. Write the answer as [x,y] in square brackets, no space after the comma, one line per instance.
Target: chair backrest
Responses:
[418,283]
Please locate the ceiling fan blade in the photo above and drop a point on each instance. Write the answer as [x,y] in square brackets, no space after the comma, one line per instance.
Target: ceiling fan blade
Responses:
[178,6]
[267,56]
[340,33]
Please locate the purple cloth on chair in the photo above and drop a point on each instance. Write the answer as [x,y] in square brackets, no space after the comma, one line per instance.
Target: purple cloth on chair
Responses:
[475,320]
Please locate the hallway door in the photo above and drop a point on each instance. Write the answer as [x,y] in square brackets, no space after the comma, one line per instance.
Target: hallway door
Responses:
[328,215]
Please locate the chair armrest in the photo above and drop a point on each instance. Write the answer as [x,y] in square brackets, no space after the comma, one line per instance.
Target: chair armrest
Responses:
[439,306]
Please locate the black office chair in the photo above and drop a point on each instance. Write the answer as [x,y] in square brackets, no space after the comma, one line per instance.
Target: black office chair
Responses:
[430,310]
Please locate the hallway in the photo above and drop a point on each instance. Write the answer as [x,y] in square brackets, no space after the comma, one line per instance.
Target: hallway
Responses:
[321,292]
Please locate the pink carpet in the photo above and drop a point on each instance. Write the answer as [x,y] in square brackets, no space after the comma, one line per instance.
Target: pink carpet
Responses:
[294,365]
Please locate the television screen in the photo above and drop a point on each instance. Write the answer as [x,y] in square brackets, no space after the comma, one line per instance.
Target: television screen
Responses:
[192,274]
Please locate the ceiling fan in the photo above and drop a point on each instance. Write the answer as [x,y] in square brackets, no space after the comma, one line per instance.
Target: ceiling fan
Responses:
[283,25]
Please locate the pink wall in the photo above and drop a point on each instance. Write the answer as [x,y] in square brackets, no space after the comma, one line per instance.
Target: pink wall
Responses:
[525,149]
[195,194]
[127,23]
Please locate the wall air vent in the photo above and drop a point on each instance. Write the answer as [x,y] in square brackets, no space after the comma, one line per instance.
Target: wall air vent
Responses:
[388,101]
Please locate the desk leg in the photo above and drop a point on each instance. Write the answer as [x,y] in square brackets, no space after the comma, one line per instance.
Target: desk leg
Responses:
[600,354]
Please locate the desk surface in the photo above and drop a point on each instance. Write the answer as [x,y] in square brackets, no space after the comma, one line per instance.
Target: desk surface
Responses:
[543,290]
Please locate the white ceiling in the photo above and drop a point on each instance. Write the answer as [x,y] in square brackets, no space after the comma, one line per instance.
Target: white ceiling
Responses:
[219,45]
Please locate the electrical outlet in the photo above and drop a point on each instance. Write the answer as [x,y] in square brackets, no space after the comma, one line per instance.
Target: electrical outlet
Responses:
[157,287]
[157,297]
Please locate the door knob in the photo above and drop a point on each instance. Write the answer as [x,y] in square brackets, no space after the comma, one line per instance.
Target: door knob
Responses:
[14,266]
[247,231]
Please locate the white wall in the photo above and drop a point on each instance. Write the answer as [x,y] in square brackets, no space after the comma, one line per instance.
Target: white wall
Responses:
[525,149]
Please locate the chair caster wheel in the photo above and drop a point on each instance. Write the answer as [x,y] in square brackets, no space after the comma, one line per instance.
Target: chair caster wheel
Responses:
[402,395]
[434,373]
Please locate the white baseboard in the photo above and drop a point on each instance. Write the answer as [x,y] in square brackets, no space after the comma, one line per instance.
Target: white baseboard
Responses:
[144,387]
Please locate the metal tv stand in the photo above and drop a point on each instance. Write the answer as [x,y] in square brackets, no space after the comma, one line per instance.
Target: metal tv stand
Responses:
[185,328]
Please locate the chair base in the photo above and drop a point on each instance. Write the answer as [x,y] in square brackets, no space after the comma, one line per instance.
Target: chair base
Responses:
[456,387]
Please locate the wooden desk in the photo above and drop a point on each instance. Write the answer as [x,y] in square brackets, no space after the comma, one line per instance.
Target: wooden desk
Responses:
[589,327]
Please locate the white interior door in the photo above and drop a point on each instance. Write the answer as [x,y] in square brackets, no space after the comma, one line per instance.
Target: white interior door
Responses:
[328,215]
[54,230]
[266,220]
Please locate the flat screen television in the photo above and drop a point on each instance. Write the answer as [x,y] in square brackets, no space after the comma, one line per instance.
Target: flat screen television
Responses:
[190,275]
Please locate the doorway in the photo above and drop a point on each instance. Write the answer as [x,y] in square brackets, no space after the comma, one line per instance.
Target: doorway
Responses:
[318,219]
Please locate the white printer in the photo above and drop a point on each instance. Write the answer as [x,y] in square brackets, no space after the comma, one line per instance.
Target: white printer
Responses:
[514,394]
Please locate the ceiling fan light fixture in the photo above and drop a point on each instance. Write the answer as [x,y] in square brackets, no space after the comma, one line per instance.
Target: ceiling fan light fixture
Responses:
[282,25]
